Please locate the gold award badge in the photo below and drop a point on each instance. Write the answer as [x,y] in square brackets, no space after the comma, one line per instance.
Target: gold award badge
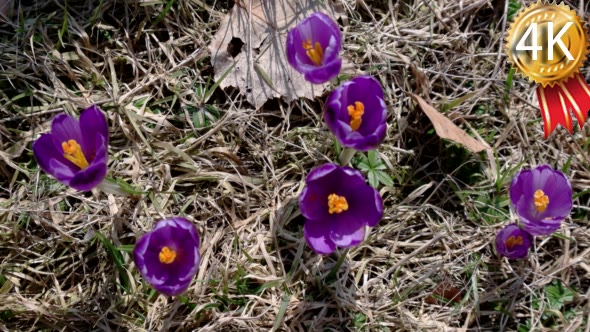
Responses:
[548,43]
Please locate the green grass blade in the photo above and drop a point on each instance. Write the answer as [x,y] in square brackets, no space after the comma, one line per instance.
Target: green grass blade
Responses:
[117,259]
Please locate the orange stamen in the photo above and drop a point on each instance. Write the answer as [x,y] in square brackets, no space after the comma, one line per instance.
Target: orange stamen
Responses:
[73,152]
[513,241]
[541,200]
[356,112]
[337,204]
[315,52]
[167,255]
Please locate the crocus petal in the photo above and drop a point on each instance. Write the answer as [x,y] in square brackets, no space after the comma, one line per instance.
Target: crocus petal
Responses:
[91,134]
[554,185]
[65,128]
[515,250]
[541,227]
[359,206]
[559,190]
[172,289]
[378,120]
[317,235]
[164,234]
[94,174]
[146,258]
[312,202]
[368,207]
[296,54]
[93,125]
[89,178]
[188,259]
[322,29]
[186,235]
[522,185]
[188,227]
[321,171]
[372,131]
[333,46]
[170,277]
[348,231]
[51,161]
[156,273]
[325,73]
[190,264]
[61,172]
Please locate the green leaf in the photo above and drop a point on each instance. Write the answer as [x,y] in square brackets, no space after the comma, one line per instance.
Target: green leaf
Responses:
[360,158]
[563,237]
[64,27]
[212,89]
[120,187]
[373,180]
[140,102]
[558,295]
[126,248]
[186,302]
[338,148]
[282,310]
[526,327]
[264,77]
[513,8]
[373,166]
[117,259]
[384,178]
[567,164]
[581,193]
[126,187]
[373,158]
[204,116]
[380,166]
[364,167]
[457,102]
[163,13]
[359,320]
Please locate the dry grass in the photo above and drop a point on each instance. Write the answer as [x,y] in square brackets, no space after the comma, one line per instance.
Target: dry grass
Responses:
[238,179]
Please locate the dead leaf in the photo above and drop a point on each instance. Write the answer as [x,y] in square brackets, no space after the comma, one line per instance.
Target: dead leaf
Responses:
[422,81]
[250,49]
[445,128]
[445,291]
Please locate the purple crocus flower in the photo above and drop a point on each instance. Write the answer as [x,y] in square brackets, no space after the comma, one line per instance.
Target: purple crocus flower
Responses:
[338,204]
[75,152]
[542,199]
[356,113]
[313,48]
[513,242]
[168,256]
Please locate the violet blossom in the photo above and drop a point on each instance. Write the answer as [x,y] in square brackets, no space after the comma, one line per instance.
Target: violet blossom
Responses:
[313,48]
[356,113]
[542,198]
[513,242]
[76,151]
[338,205]
[168,256]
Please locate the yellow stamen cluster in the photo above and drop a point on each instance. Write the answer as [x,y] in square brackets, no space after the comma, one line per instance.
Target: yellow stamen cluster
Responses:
[541,200]
[315,52]
[73,152]
[337,204]
[513,241]
[356,112]
[167,255]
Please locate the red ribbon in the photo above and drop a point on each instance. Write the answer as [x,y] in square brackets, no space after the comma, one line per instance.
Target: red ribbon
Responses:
[557,101]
